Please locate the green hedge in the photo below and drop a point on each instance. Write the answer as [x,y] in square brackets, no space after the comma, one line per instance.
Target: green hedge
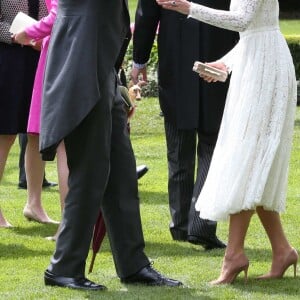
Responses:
[294,45]
[151,90]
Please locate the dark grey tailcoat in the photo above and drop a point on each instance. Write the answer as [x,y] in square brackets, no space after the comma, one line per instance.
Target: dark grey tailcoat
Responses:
[70,95]
[83,107]
[186,101]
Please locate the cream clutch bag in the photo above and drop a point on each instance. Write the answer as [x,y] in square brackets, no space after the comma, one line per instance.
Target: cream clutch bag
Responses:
[215,73]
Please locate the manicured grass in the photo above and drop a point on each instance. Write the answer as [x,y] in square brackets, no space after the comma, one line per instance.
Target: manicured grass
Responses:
[24,253]
[132,7]
[290,27]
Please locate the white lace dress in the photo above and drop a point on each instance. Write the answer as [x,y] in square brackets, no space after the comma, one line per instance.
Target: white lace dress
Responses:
[249,167]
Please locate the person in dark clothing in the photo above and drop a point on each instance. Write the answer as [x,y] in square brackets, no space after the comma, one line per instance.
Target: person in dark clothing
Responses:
[192,109]
[88,114]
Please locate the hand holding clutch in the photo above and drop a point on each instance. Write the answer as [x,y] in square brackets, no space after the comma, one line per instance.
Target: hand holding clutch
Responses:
[211,72]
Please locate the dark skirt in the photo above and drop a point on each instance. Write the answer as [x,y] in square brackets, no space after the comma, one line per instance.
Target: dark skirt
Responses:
[17,71]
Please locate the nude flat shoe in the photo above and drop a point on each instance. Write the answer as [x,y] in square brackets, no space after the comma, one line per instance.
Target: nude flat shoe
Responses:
[30,215]
[51,238]
[6,225]
[3,222]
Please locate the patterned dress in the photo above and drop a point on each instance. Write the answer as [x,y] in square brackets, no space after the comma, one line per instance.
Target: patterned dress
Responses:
[17,67]
[249,167]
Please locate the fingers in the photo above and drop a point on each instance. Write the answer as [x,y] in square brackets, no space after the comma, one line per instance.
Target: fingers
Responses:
[141,83]
[139,76]
[135,75]
[218,65]
[207,78]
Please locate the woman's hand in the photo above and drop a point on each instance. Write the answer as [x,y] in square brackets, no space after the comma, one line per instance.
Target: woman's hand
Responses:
[217,64]
[36,45]
[181,6]
[22,38]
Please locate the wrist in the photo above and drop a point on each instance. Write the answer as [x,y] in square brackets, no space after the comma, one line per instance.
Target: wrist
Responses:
[139,66]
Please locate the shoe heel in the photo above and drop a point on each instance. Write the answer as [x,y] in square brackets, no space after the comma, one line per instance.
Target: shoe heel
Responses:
[295,269]
[246,274]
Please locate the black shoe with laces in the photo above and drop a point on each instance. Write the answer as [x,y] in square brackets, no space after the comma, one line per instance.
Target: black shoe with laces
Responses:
[70,282]
[208,243]
[150,276]
[46,184]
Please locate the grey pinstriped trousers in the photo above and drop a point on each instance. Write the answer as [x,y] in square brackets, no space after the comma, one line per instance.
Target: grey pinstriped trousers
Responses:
[183,188]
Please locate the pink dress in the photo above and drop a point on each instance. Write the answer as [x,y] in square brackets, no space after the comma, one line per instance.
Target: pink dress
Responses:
[38,31]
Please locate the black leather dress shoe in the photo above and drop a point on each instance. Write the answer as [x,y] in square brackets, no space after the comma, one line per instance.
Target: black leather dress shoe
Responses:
[141,171]
[73,283]
[178,235]
[149,276]
[47,184]
[208,243]
[22,185]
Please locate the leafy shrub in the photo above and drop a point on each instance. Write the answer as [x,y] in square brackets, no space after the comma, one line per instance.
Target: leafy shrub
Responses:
[294,45]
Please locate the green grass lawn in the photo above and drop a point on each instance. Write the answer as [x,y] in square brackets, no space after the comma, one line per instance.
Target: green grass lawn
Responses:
[290,27]
[132,7]
[24,253]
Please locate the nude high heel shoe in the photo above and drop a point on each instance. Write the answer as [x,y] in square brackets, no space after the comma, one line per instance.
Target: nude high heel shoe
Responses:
[279,270]
[230,270]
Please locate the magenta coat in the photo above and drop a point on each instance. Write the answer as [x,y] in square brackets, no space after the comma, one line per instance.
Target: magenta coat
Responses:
[38,31]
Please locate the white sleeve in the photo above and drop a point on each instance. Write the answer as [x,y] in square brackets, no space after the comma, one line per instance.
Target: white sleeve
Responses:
[236,20]
[230,57]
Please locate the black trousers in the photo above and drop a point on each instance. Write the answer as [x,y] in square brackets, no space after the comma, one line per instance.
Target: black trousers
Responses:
[102,175]
[183,188]
[23,144]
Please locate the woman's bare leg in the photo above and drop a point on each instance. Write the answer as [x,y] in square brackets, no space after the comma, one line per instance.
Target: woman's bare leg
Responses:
[63,174]
[283,255]
[235,259]
[6,142]
[35,168]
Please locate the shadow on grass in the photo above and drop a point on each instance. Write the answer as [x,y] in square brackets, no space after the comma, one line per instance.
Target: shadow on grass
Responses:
[145,292]
[36,230]
[153,198]
[17,250]
[287,286]
[184,249]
